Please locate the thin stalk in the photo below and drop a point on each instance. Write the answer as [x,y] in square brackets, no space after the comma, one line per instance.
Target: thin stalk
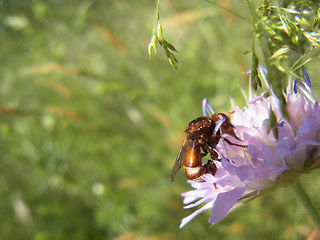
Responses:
[155,27]
[306,202]
[227,10]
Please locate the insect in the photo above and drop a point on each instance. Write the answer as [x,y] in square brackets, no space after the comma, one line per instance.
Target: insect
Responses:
[203,136]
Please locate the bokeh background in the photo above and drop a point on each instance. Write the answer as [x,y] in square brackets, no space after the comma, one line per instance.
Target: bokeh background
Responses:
[90,126]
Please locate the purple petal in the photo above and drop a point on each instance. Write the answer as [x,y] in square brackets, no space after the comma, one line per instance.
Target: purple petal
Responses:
[306,76]
[202,200]
[296,160]
[194,214]
[263,69]
[307,130]
[232,169]
[280,124]
[252,101]
[193,195]
[206,108]
[295,86]
[224,203]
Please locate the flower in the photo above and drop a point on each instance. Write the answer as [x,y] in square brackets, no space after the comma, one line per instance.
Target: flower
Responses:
[270,156]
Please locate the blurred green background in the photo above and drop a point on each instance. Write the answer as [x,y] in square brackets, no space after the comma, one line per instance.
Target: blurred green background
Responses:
[90,127]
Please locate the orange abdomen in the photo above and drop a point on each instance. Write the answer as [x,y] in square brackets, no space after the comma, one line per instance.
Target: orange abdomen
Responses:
[192,163]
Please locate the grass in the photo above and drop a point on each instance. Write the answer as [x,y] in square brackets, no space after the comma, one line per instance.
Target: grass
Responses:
[90,127]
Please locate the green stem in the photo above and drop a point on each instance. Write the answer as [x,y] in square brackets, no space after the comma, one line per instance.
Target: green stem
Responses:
[156,22]
[307,203]
[227,9]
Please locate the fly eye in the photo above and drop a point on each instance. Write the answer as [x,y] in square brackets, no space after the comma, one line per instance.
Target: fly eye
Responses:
[222,116]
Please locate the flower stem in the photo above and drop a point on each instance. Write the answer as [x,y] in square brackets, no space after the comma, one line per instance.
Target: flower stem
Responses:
[307,203]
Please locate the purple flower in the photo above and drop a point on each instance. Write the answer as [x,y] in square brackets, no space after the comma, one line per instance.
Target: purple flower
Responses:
[247,172]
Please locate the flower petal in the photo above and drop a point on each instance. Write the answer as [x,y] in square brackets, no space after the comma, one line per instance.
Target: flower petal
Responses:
[194,214]
[224,203]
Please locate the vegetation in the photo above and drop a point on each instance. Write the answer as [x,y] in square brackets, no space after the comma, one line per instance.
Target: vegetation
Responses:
[90,127]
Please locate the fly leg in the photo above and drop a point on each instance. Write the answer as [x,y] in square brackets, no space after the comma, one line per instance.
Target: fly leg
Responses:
[234,144]
[210,167]
[215,155]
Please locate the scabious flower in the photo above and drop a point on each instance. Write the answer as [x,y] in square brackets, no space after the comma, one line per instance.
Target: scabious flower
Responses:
[269,158]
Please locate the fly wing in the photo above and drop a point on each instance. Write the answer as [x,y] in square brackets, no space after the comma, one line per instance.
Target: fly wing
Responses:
[200,133]
[180,158]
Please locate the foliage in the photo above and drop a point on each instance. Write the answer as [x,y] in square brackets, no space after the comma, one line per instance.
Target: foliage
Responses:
[157,36]
[289,33]
[90,127]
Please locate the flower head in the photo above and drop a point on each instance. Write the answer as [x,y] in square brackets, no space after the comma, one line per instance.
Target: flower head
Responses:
[293,147]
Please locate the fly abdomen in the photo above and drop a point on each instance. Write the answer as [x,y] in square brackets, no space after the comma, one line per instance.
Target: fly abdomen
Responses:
[192,164]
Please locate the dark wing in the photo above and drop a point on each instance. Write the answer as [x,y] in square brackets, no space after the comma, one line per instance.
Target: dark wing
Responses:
[180,158]
[200,133]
